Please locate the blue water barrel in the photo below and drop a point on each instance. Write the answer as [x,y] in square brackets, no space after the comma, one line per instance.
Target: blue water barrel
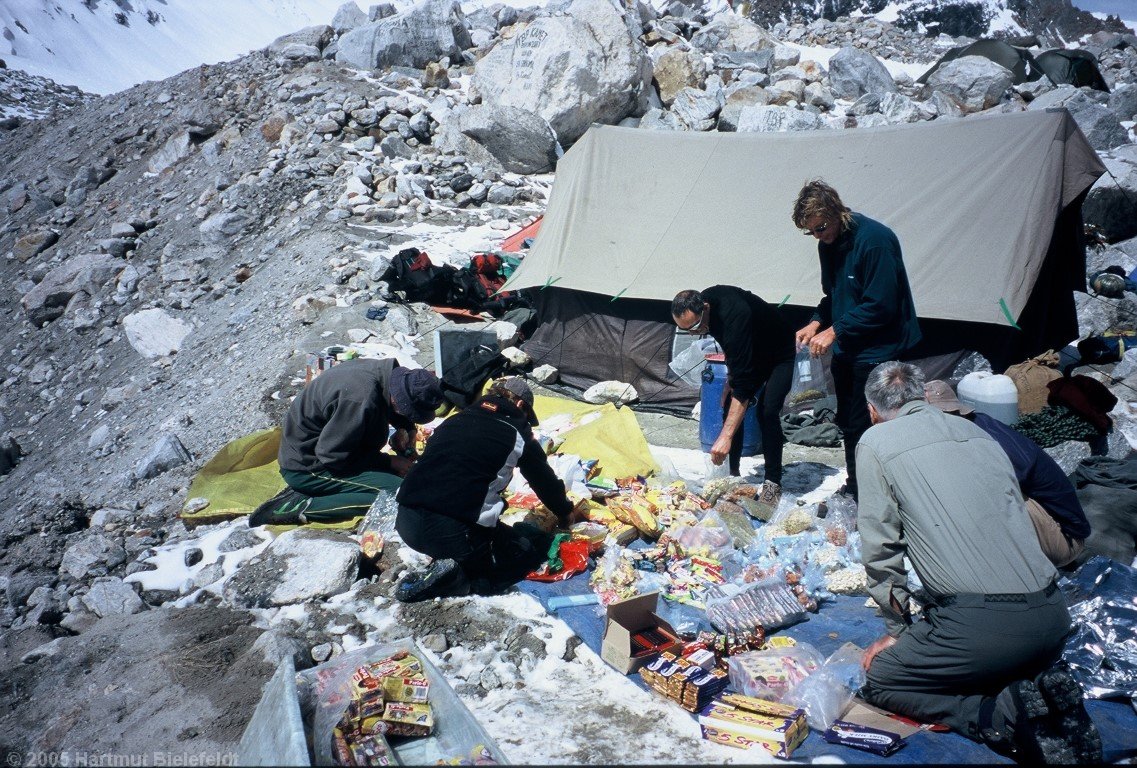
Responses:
[710,411]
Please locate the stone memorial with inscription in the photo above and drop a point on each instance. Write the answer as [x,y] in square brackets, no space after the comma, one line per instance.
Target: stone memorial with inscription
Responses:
[426,33]
[572,70]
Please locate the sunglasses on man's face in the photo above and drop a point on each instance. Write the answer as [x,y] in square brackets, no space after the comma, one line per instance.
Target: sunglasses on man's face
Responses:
[692,326]
[819,229]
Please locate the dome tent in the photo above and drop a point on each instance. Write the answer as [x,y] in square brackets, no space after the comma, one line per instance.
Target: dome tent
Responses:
[1019,61]
[1076,67]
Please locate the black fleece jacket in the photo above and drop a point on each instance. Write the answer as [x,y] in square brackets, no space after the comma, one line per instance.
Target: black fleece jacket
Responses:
[469,461]
[753,335]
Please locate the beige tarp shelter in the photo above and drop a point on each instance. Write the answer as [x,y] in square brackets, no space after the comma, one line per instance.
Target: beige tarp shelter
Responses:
[987,209]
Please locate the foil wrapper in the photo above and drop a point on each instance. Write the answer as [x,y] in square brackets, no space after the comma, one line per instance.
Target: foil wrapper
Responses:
[1102,650]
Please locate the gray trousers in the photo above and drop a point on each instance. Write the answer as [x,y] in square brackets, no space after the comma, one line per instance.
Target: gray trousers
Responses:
[942,668]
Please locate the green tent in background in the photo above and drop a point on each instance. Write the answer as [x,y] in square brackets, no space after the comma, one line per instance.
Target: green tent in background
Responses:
[1019,60]
[1076,67]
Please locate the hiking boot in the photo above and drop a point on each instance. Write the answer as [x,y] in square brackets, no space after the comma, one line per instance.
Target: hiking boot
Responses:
[767,501]
[1034,731]
[444,578]
[285,508]
[1064,697]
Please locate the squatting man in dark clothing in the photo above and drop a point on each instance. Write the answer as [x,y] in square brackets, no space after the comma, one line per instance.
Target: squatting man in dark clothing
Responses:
[451,500]
[759,350]
[938,490]
[867,314]
[1057,515]
[334,432]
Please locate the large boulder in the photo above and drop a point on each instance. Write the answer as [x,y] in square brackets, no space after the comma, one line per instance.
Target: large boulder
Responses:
[1097,121]
[420,35]
[1123,101]
[153,333]
[176,148]
[520,140]
[315,37]
[771,119]
[299,566]
[731,32]
[975,82]
[853,73]
[697,109]
[574,70]
[87,272]
[348,16]
[677,70]
[1111,204]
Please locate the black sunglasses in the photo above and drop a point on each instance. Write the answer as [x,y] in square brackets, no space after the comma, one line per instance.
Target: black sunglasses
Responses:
[692,326]
[820,228]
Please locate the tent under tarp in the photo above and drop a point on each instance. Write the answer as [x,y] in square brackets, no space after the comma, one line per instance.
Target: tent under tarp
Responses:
[1073,67]
[1019,61]
[987,209]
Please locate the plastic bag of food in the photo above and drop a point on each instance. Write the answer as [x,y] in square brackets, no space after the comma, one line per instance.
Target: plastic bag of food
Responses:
[812,381]
[769,604]
[772,673]
[826,693]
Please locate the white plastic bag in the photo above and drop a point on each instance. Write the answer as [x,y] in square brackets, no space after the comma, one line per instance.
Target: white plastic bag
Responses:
[688,364]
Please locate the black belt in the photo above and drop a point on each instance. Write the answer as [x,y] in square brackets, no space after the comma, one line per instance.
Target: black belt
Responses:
[1026,598]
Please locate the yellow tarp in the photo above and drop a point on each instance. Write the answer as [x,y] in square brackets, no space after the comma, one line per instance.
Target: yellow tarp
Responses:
[243,474]
[614,439]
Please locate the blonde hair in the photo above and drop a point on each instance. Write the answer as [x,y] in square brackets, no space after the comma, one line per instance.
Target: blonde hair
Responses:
[817,198]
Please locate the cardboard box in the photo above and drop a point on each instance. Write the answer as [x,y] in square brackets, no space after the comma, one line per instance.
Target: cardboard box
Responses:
[776,728]
[625,618]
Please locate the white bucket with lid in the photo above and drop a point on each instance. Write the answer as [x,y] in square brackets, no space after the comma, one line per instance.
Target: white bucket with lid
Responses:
[991,393]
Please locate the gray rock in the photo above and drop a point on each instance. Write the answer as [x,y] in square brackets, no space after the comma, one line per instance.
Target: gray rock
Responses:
[276,644]
[1032,89]
[736,101]
[299,53]
[754,61]
[348,16]
[658,120]
[153,333]
[86,272]
[898,108]
[944,105]
[677,69]
[380,11]
[34,243]
[193,556]
[21,586]
[818,95]
[240,538]
[99,436]
[176,148]
[1111,204]
[424,34]
[731,32]
[570,70]
[112,597]
[393,146]
[78,619]
[1123,101]
[786,56]
[853,73]
[1097,121]
[501,194]
[545,374]
[777,119]
[298,566]
[975,82]
[316,37]
[91,555]
[166,454]
[10,453]
[210,574]
[1069,454]
[436,642]
[222,227]
[519,139]
[696,109]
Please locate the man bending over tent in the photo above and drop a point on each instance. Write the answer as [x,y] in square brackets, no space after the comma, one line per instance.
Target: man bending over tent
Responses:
[451,502]
[938,492]
[330,450]
[759,350]
[867,315]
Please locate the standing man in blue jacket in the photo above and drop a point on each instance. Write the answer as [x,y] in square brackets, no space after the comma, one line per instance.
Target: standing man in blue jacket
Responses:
[867,315]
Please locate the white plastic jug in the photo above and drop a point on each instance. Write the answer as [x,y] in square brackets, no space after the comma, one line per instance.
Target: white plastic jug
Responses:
[991,393]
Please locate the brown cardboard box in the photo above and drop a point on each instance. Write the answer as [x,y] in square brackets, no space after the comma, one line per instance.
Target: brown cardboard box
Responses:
[625,618]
